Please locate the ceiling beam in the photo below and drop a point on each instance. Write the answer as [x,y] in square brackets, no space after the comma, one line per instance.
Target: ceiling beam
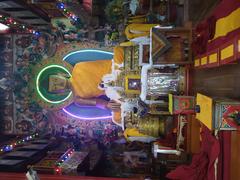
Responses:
[35,9]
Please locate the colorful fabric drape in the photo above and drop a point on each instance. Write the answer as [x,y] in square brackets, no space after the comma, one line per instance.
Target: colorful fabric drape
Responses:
[202,166]
[224,160]
[138,30]
[133,132]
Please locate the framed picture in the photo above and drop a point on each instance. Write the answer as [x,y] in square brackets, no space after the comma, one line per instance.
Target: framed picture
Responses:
[144,54]
[133,84]
[159,44]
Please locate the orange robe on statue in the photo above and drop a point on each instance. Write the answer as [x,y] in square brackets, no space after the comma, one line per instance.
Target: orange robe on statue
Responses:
[86,76]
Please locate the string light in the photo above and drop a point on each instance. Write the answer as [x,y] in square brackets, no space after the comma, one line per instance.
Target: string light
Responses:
[62,7]
[36,33]
[18,26]
[3,27]
[38,84]
[58,170]
[10,147]
[64,157]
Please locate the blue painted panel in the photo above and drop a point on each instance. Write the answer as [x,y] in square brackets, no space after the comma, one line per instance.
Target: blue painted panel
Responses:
[87,111]
[88,55]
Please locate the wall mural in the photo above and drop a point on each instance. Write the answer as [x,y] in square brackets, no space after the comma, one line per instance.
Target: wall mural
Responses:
[6,83]
[106,35]
[22,111]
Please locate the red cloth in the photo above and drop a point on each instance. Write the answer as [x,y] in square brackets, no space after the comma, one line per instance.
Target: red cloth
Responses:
[225,155]
[205,30]
[202,166]
[169,140]
[225,7]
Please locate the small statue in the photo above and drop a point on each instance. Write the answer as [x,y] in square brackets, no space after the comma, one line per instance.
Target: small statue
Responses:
[142,108]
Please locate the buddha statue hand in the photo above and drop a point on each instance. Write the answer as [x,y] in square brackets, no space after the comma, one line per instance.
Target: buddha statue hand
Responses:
[98,102]
[114,106]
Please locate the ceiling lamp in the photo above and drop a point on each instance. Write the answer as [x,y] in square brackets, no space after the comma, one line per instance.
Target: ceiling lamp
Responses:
[3,27]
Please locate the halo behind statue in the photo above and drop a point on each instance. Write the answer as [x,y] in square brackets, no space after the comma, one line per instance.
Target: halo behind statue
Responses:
[42,83]
[66,56]
[45,98]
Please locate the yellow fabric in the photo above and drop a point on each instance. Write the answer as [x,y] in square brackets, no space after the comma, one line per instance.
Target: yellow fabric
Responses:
[227,52]
[170,103]
[138,30]
[206,112]
[132,132]
[117,117]
[238,45]
[86,76]
[118,55]
[137,20]
[126,44]
[137,17]
[213,58]
[204,60]
[227,24]
[197,62]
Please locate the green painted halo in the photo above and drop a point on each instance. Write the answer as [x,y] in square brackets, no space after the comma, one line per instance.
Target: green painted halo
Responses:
[44,97]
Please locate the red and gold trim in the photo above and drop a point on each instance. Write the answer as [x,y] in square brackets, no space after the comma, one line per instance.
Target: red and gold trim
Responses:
[224,48]
[238,47]
[227,53]
[213,58]
[204,61]
[197,62]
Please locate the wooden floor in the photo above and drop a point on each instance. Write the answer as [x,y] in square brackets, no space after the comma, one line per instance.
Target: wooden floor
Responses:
[222,81]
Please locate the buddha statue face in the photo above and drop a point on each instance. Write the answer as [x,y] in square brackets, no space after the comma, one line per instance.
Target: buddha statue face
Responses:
[58,84]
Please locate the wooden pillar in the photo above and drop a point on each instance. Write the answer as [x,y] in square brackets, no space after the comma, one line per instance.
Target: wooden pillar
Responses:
[193,135]
[235,156]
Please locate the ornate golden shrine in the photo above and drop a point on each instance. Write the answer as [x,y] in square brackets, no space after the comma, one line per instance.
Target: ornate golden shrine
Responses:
[154,122]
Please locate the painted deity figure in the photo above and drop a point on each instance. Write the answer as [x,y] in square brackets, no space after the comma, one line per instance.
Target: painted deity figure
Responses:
[85,81]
